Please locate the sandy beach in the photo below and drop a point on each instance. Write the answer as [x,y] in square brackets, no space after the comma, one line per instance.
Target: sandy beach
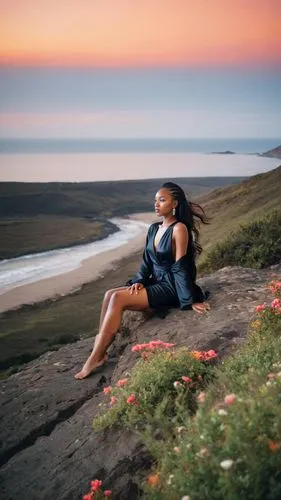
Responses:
[64,284]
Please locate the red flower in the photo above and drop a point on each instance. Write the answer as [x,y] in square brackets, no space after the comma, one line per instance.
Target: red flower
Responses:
[88,496]
[276,303]
[152,345]
[107,389]
[230,399]
[121,382]
[204,355]
[274,445]
[131,399]
[210,354]
[260,307]
[186,379]
[107,493]
[96,484]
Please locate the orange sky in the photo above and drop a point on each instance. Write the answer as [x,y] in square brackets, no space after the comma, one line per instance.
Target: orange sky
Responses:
[140,32]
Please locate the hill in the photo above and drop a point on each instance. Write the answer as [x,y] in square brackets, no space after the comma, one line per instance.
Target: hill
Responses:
[232,206]
[273,153]
[36,217]
[88,199]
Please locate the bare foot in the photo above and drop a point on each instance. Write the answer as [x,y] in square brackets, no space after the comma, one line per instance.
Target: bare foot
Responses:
[90,366]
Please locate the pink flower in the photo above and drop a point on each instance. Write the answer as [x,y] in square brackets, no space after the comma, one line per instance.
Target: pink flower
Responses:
[139,347]
[107,389]
[89,496]
[121,382]
[96,484]
[159,343]
[274,286]
[131,399]
[276,303]
[152,345]
[107,493]
[230,399]
[260,307]
[201,397]
[113,400]
[210,354]
[186,379]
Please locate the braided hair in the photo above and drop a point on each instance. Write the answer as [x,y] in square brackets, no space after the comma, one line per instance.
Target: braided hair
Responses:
[186,212]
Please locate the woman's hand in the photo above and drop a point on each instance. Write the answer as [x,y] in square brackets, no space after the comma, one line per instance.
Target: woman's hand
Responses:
[135,288]
[201,307]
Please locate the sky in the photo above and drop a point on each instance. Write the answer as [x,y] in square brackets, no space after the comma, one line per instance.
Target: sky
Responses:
[142,68]
[140,32]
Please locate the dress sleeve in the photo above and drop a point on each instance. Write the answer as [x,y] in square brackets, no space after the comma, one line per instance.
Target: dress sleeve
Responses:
[184,278]
[145,271]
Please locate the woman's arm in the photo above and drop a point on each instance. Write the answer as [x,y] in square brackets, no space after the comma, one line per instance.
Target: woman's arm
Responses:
[183,273]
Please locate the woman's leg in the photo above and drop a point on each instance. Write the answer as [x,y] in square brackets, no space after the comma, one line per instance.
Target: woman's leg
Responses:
[105,303]
[119,301]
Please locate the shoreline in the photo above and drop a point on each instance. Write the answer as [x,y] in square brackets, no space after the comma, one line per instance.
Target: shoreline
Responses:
[108,229]
[91,269]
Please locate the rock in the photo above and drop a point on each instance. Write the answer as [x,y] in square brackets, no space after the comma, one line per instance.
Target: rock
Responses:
[48,447]
[227,152]
[272,153]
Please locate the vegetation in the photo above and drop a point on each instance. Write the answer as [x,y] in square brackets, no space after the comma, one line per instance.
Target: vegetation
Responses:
[212,431]
[104,199]
[238,204]
[256,244]
[37,217]
[27,235]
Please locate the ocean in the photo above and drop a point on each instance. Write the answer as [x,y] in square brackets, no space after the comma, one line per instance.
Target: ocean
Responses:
[89,160]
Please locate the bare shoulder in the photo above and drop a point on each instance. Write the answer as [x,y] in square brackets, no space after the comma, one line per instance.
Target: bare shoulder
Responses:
[180,233]
[180,229]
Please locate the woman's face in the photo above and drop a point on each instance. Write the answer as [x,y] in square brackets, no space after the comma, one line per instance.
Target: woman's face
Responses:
[164,202]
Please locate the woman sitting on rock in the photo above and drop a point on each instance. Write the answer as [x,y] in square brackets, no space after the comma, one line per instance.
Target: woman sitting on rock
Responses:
[167,273]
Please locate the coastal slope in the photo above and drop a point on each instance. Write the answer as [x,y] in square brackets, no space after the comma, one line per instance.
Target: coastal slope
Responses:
[49,445]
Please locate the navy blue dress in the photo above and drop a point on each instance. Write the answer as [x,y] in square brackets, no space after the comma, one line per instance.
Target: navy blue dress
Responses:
[168,283]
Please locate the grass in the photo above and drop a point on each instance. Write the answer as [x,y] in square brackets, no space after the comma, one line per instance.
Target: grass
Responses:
[27,235]
[215,437]
[242,203]
[152,384]
[84,199]
[256,244]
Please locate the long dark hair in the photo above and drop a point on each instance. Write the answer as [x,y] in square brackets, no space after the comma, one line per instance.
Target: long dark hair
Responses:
[190,214]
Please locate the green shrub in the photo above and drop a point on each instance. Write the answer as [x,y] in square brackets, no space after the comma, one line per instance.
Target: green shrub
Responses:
[231,449]
[151,382]
[217,436]
[257,245]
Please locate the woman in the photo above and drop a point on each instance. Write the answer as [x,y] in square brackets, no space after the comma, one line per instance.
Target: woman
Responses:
[167,274]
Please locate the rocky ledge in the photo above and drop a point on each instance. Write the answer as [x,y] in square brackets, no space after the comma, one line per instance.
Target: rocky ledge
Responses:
[48,447]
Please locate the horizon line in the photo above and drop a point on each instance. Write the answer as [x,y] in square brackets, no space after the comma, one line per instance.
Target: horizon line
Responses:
[245,65]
